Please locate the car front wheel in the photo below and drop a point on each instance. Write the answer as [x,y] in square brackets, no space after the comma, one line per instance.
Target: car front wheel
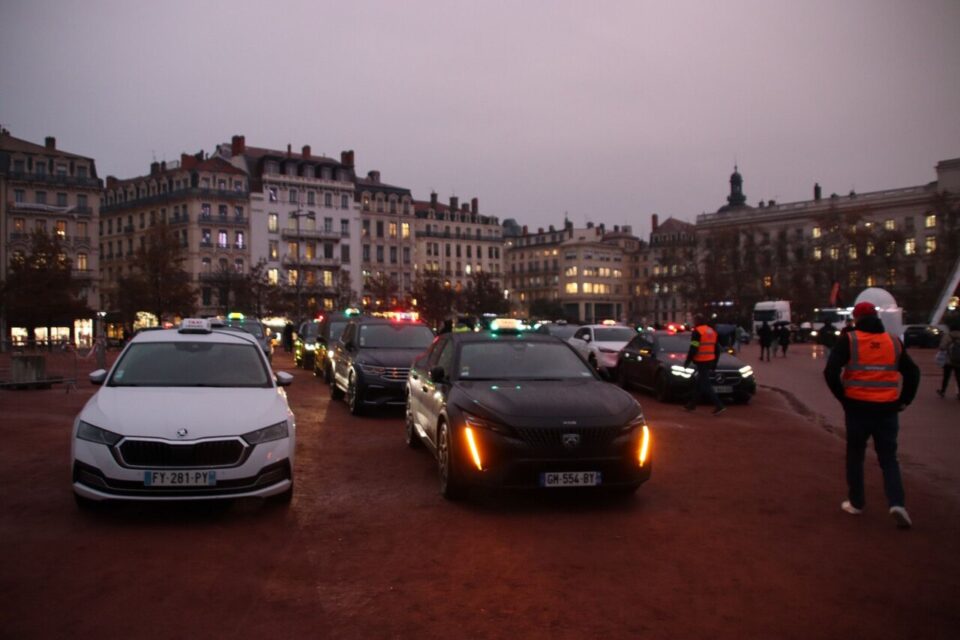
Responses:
[660,388]
[451,487]
[354,396]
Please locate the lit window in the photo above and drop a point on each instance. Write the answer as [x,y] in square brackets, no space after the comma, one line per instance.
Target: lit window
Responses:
[767,281]
[292,277]
[930,220]
[405,230]
[834,253]
[910,246]
[273,276]
[274,249]
[889,224]
[273,222]
[572,287]
[929,244]
[852,253]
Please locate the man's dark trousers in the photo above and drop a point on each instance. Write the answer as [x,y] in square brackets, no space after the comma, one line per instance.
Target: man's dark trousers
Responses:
[883,427]
[704,386]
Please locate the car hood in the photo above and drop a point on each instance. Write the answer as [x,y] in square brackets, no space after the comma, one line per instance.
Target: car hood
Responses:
[615,345]
[388,357]
[205,412]
[523,403]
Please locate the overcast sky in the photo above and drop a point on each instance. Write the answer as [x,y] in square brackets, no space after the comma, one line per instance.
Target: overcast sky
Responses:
[606,111]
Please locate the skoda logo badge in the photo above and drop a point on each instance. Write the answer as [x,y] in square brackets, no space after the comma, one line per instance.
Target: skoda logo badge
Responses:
[182,433]
[571,440]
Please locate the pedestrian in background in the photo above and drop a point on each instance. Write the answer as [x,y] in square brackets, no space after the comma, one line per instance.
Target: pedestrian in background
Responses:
[703,354]
[783,338]
[950,346]
[864,373]
[765,336]
[827,337]
[287,337]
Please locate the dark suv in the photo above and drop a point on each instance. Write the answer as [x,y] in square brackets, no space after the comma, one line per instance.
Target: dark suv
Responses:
[305,343]
[371,360]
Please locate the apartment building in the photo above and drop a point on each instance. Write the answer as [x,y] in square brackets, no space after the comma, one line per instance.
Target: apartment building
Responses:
[454,241]
[305,221]
[45,188]
[671,253]
[206,204]
[902,239]
[585,272]
[387,239]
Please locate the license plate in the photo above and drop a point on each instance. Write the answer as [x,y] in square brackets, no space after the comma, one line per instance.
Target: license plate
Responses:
[723,388]
[570,479]
[179,478]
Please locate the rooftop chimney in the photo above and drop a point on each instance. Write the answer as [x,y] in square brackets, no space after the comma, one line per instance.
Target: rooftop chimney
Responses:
[154,168]
[51,143]
[163,165]
[373,176]
[306,151]
[346,158]
[289,149]
[475,206]
[238,146]
[816,191]
[524,229]
[654,223]
[433,199]
[454,203]
[112,182]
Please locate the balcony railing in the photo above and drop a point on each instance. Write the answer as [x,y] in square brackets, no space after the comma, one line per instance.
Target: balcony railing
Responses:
[226,220]
[56,179]
[292,261]
[52,209]
[309,234]
[176,194]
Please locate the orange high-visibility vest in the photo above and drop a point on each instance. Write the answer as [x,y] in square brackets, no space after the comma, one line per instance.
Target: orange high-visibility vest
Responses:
[707,349]
[871,374]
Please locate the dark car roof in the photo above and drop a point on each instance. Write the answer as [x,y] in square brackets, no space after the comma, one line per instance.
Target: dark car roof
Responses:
[376,320]
[495,336]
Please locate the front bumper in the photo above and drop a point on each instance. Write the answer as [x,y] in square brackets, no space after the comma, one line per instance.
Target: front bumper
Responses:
[518,461]
[731,385]
[380,392]
[264,470]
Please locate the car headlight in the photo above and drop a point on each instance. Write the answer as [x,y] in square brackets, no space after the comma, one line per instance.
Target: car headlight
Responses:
[746,371]
[684,372]
[90,433]
[371,370]
[277,431]
[637,422]
[476,422]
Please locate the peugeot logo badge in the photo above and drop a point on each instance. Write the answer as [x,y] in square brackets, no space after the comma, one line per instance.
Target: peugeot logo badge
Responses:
[571,440]
[182,433]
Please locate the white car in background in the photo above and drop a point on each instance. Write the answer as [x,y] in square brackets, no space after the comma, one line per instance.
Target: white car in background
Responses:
[193,413]
[600,344]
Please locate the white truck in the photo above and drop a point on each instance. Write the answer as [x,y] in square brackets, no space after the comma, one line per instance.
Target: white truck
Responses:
[770,311]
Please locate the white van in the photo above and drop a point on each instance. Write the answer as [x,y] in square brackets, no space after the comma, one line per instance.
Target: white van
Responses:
[770,311]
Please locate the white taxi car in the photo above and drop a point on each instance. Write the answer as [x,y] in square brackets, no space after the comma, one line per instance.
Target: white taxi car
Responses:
[600,344]
[193,413]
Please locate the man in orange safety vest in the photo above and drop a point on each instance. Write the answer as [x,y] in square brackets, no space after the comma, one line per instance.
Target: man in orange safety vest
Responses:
[873,377]
[703,354]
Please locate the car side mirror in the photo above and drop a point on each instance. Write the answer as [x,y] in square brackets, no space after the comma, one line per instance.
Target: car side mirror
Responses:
[284,379]
[97,377]
[437,374]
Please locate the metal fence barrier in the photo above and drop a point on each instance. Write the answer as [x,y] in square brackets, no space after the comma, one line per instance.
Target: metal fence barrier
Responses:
[40,366]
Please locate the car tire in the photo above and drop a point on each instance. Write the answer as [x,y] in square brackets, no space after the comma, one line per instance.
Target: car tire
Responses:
[335,392]
[451,487]
[410,436]
[354,396]
[661,389]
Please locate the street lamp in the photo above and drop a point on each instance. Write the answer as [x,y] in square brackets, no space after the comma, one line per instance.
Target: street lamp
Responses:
[299,213]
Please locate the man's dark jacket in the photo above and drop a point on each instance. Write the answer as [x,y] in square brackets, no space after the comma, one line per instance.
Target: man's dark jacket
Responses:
[839,357]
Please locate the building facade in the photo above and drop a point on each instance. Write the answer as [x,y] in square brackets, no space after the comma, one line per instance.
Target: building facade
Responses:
[305,222]
[43,188]
[454,241]
[387,241]
[205,202]
[584,274]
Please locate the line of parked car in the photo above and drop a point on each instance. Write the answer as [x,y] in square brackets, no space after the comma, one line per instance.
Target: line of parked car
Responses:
[197,413]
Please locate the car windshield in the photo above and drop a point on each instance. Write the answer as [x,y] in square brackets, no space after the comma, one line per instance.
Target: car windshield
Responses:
[614,334]
[250,326]
[190,364]
[395,335]
[520,360]
[674,344]
[336,328]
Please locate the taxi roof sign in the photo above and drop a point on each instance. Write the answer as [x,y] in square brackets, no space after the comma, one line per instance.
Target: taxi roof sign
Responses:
[195,325]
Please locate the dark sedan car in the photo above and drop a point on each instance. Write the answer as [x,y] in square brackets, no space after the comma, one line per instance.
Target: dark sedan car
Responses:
[922,335]
[522,411]
[370,361]
[654,361]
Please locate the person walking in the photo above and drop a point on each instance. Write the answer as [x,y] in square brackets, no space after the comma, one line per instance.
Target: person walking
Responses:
[741,337]
[704,355]
[827,337]
[783,338]
[950,348]
[864,373]
[765,335]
